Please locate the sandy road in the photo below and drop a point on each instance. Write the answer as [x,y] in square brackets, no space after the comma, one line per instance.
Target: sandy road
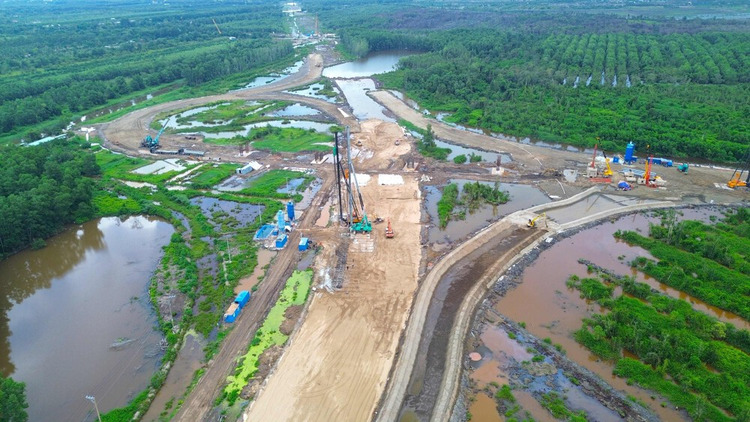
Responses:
[200,401]
[336,366]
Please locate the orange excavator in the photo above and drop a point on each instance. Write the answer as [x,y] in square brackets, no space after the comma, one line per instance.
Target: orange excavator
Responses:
[389,230]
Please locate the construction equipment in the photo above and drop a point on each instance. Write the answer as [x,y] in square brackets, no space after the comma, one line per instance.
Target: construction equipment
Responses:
[683,168]
[153,143]
[608,171]
[389,230]
[363,226]
[532,221]
[646,180]
[736,180]
[591,170]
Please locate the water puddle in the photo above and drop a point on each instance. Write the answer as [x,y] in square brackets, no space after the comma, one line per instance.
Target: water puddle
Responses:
[295,110]
[313,91]
[451,289]
[488,156]
[264,258]
[291,186]
[484,409]
[180,376]
[244,214]
[245,132]
[521,197]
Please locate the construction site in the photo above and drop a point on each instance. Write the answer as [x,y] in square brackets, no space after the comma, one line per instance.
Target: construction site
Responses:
[384,311]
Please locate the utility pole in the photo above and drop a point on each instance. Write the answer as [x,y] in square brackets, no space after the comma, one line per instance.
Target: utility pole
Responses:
[93,400]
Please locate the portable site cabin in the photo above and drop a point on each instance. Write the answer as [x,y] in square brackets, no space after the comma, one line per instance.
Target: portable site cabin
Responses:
[303,244]
[242,298]
[232,312]
[281,241]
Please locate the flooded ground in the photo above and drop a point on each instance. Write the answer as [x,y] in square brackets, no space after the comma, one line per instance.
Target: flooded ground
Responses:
[265,80]
[295,110]
[521,197]
[245,214]
[188,360]
[428,370]
[457,150]
[551,310]
[372,64]
[70,325]
[247,129]
[313,91]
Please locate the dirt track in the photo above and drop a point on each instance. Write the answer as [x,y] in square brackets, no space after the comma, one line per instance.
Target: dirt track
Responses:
[200,401]
[127,132]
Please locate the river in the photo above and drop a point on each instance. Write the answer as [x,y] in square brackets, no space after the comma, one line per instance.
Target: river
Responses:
[76,319]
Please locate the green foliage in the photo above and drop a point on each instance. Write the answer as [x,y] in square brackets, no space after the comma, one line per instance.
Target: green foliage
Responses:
[267,184]
[701,277]
[212,175]
[428,148]
[13,403]
[446,203]
[504,393]
[671,338]
[42,188]
[294,293]
[475,158]
[459,159]
[675,104]
[277,139]
[556,406]
[82,59]
[591,288]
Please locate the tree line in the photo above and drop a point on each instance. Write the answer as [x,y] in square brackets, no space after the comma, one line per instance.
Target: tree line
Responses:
[42,188]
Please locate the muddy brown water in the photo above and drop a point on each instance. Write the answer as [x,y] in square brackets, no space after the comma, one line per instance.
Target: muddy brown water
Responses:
[424,384]
[187,362]
[521,197]
[552,310]
[65,306]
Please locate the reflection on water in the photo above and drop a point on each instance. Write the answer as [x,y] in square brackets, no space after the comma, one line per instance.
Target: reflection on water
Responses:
[64,306]
[362,105]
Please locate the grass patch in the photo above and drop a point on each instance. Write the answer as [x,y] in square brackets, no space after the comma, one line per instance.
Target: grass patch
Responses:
[294,293]
[212,175]
[267,184]
[276,139]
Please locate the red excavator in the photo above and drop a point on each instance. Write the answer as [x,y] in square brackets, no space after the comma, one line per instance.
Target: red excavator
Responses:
[389,230]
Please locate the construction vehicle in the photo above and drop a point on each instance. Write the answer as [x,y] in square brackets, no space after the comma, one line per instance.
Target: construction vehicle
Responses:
[646,180]
[153,143]
[608,171]
[532,221]
[683,168]
[593,172]
[363,226]
[389,230]
[736,180]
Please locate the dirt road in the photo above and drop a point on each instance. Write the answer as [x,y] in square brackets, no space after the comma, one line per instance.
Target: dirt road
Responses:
[200,401]
[127,132]
[336,366]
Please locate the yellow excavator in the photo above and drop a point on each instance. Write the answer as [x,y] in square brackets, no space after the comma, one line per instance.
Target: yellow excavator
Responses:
[532,221]
[736,181]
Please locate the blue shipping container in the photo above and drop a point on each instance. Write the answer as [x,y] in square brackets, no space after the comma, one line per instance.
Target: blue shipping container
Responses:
[232,312]
[281,241]
[242,298]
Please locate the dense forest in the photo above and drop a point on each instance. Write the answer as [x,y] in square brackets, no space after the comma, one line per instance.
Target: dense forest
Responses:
[41,189]
[679,86]
[61,60]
